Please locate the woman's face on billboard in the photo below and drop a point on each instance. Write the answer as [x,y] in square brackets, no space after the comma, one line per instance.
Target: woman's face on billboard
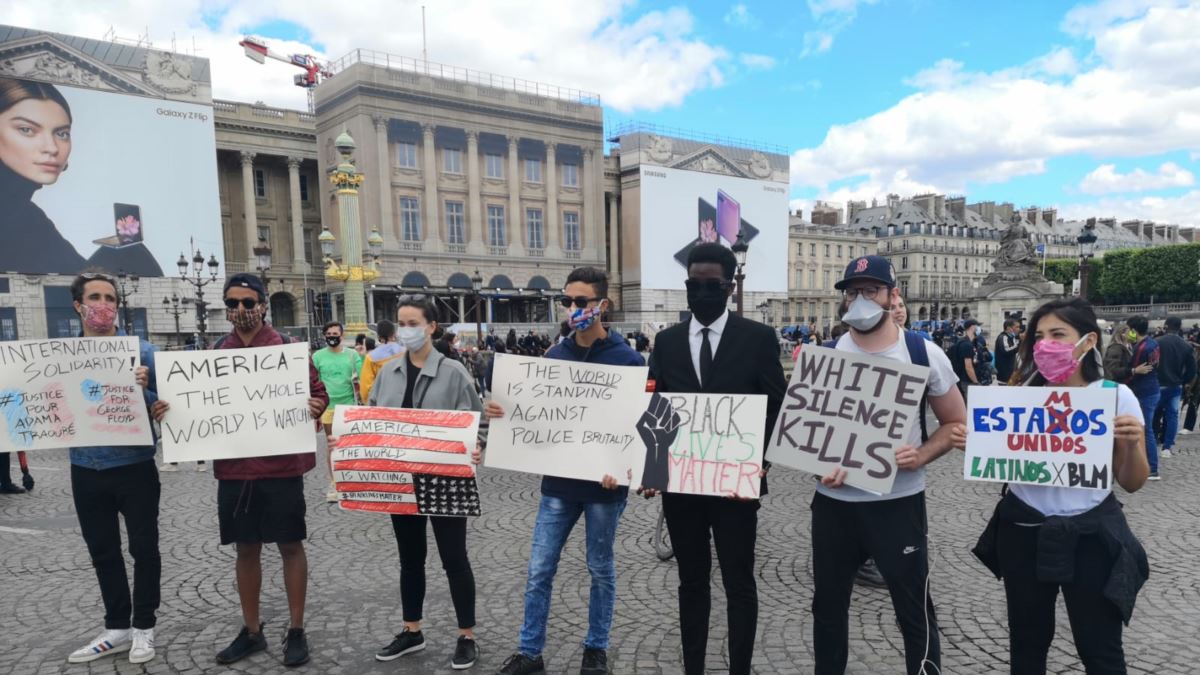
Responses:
[35,140]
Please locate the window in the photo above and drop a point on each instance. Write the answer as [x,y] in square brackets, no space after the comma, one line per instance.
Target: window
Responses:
[924,262]
[904,288]
[140,327]
[410,219]
[839,249]
[812,250]
[945,263]
[533,170]
[62,321]
[533,229]
[303,187]
[570,174]
[863,251]
[825,283]
[887,246]
[308,245]
[924,288]
[571,231]
[451,160]
[904,245]
[826,250]
[454,223]
[4,285]
[495,223]
[904,263]
[8,323]
[260,184]
[812,278]
[493,166]
[406,155]
[264,233]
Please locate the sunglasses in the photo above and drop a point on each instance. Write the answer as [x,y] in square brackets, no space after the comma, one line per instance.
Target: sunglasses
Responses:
[710,285]
[580,301]
[248,303]
[93,276]
[414,297]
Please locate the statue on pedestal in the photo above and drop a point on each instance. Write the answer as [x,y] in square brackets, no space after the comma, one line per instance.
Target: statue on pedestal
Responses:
[1016,249]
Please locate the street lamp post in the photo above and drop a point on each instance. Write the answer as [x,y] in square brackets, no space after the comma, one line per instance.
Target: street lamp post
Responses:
[173,307]
[262,254]
[764,310]
[477,286]
[198,282]
[740,248]
[1087,244]
[346,180]
[127,285]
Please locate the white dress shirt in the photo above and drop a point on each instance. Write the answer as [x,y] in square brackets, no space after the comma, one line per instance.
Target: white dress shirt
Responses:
[696,339]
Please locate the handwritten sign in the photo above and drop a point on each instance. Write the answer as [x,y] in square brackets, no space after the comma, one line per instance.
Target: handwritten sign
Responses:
[567,419]
[397,460]
[703,444]
[848,410]
[1060,437]
[235,403]
[76,392]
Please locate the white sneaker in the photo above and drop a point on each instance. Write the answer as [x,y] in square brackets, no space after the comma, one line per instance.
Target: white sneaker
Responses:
[1183,432]
[108,642]
[143,646]
[201,467]
[1164,454]
[168,468]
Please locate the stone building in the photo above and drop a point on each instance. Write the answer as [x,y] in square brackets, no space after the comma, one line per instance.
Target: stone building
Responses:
[817,259]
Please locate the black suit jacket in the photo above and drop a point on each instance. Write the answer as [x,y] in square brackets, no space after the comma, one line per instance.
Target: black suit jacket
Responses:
[746,362]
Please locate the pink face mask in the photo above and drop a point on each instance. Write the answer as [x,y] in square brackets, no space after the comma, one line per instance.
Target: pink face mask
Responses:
[99,318]
[1056,360]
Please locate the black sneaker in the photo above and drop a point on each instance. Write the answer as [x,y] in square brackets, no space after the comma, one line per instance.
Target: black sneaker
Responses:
[245,644]
[519,664]
[1153,476]
[295,648]
[465,653]
[10,489]
[595,662]
[406,642]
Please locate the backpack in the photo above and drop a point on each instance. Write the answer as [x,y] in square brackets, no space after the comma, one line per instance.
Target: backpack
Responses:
[920,357]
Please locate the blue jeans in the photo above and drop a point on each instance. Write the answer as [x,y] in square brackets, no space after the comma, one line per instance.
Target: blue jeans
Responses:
[1169,399]
[1149,403]
[555,519]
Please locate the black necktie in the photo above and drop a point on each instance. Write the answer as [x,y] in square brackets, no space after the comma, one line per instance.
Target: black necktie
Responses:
[706,357]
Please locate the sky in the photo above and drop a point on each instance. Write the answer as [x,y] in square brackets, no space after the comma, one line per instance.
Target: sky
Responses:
[1092,108]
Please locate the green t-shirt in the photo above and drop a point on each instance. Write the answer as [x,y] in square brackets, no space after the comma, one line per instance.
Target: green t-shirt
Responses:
[337,371]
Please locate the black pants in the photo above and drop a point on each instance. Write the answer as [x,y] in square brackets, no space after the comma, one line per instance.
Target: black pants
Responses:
[5,476]
[131,491]
[844,534]
[1189,420]
[1095,622]
[451,536]
[734,527]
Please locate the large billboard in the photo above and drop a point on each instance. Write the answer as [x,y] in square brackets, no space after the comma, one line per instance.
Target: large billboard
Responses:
[92,178]
[683,208]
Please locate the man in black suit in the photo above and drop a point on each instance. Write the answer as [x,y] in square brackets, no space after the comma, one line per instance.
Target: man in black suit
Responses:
[716,352]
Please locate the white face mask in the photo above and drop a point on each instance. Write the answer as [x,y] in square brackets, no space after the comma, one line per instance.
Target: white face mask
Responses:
[412,337]
[863,314]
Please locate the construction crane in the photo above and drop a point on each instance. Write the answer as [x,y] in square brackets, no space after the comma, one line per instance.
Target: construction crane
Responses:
[314,72]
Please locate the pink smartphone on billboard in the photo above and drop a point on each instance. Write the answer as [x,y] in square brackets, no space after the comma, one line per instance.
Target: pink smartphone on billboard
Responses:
[729,217]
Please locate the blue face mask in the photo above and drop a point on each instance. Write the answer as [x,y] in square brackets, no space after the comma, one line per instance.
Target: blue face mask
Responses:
[583,319]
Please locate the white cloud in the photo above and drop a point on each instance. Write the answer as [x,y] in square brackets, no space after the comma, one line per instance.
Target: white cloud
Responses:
[820,8]
[832,17]
[1137,96]
[1087,19]
[635,60]
[1181,210]
[1105,179]
[757,61]
[739,15]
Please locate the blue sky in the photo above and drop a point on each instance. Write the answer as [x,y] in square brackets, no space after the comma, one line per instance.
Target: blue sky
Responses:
[1090,107]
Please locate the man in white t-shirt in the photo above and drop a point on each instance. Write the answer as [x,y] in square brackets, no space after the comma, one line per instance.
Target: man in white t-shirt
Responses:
[850,525]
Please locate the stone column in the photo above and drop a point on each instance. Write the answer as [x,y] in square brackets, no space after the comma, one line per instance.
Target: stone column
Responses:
[387,221]
[431,230]
[250,216]
[593,207]
[370,306]
[553,250]
[475,242]
[514,199]
[299,264]
[614,247]
[462,309]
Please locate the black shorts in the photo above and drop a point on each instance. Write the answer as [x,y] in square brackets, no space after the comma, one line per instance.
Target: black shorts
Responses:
[263,511]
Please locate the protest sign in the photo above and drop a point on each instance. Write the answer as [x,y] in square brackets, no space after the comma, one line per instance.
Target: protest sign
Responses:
[75,392]
[847,410]
[702,444]
[235,403]
[1054,436]
[397,460]
[565,418]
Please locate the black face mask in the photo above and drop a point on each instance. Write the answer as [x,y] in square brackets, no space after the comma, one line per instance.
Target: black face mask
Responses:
[707,299]
[333,341]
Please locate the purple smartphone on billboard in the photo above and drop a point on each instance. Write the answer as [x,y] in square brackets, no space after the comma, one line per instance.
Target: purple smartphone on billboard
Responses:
[729,217]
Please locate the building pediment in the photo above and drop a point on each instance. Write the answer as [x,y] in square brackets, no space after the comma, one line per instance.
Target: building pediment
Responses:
[42,57]
[709,160]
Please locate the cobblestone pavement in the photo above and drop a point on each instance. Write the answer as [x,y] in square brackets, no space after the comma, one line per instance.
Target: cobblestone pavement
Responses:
[50,604]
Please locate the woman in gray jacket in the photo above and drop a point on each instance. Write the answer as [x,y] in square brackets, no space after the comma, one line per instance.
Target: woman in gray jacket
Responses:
[424,378]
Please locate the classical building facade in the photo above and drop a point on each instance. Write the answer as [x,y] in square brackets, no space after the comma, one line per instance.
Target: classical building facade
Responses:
[817,258]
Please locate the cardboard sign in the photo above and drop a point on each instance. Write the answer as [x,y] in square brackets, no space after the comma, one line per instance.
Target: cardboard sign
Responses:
[702,444]
[235,403]
[1060,437]
[565,418]
[848,410]
[75,392]
[404,461]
